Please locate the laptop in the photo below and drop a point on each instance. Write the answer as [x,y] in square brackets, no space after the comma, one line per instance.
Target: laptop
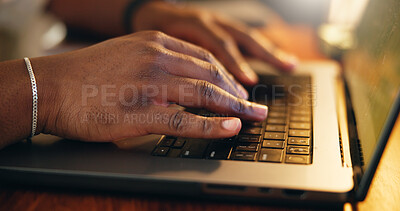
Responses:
[321,142]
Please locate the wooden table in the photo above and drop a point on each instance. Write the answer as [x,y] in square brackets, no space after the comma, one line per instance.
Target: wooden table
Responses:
[384,193]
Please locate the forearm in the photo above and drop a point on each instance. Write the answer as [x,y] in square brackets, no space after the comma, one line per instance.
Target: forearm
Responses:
[16,100]
[101,16]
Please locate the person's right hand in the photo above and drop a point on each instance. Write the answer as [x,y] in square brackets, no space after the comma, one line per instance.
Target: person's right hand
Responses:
[121,88]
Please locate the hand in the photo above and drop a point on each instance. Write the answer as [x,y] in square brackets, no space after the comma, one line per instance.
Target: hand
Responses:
[218,34]
[122,87]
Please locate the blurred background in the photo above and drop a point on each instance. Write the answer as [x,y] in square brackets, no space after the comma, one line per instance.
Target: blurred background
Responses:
[27,29]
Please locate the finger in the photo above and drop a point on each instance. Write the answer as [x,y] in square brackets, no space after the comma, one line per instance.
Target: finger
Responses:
[202,94]
[258,45]
[180,123]
[183,47]
[225,49]
[187,66]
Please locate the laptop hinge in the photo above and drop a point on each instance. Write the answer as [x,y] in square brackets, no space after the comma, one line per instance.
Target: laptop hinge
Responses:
[342,124]
[354,143]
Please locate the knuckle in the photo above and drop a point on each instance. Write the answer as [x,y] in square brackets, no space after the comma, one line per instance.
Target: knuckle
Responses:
[177,122]
[181,45]
[222,42]
[225,42]
[208,56]
[199,16]
[205,89]
[151,53]
[239,106]
[151,62]
[155,36]
[215,73]
[206,126]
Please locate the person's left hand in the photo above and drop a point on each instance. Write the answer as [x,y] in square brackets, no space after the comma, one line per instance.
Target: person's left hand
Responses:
[220,35]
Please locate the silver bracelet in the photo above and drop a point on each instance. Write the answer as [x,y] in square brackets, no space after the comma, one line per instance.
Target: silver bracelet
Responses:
[34,95]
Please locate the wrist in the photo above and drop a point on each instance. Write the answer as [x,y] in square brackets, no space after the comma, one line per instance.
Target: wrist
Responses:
[16,100]
[150,15]
[130,12]
[46,80]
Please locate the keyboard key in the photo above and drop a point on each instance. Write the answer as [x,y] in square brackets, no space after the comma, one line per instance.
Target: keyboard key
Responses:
[273,144]
[270,155]
[194,148]
[302,106]
[277,114]
[248,138]
[298,159]
[166,142]
[300,118]
[276,128]
[289,118]
[301,150]
[279,121]
[174,152]
[251,130]
[300,125]
[179,143]
[252,124]
[305,102]
[299,133]
[218,150]
[226,140]
[246,156]
[299,141]
[277,102]
[230,139]
[275,136]
[253,147]
[161,151]
[301,112]
[277,108]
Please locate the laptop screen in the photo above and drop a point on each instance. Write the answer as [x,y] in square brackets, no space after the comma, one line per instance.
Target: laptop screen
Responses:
[372,71]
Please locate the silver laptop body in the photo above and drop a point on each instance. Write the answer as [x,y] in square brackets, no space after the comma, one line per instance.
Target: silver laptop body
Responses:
[343,160]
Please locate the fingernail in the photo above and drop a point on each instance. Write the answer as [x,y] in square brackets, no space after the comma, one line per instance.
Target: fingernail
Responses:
[243,92]
[260,110]
[289,60]
[250,74]
[292,61]
[231,124]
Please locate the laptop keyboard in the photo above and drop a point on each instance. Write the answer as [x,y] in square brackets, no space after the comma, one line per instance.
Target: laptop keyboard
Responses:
[285,136]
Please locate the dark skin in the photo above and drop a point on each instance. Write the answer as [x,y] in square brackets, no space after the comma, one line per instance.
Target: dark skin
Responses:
[138,62]
[72,100]
[220,35]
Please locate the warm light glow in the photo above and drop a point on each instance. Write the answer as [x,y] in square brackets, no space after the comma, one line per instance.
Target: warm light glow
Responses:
[346,12]
[337,35]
